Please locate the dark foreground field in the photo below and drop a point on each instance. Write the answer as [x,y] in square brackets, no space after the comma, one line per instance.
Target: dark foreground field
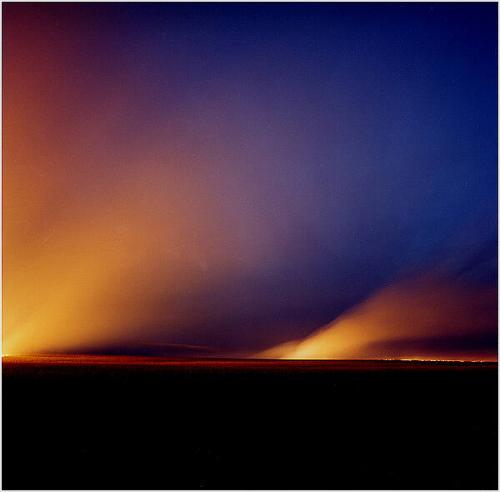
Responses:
[312,425]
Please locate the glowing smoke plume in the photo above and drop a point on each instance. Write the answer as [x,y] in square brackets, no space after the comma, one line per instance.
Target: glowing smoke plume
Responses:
[415,319]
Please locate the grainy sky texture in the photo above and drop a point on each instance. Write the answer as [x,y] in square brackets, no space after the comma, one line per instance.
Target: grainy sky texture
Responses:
[227,178]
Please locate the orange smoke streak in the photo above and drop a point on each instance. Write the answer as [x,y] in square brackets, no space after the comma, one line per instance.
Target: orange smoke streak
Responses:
[388,323]
[99,223]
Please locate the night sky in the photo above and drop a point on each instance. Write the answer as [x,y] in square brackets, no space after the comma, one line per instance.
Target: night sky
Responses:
[227,179]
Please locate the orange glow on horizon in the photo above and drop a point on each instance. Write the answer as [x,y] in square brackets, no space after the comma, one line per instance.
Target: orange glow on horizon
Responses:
[390,322]
[97,236]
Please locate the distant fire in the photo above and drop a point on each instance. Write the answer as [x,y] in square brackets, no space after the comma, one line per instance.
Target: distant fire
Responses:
[418,319]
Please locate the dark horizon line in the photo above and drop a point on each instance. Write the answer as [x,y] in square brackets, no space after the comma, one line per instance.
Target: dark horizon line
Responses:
[164,359]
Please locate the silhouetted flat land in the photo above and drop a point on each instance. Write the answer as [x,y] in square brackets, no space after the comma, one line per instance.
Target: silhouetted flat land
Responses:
[125,423]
